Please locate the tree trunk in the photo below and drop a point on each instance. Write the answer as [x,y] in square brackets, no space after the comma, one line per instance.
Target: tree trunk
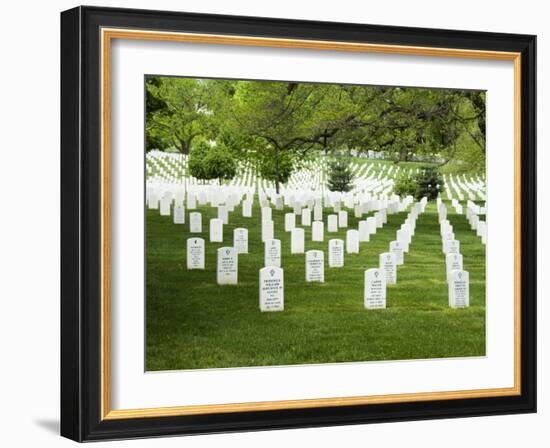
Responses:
[183,148]
[277,177]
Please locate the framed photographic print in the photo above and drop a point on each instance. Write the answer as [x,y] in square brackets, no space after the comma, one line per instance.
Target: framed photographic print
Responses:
[273,223]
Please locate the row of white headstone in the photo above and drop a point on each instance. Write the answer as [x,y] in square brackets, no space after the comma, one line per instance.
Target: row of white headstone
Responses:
[173,168]
[377,279]
[368,199]
[458,279]
[272,275]
[273,246]
[334,222]
[480,227]
[472,212]
[271,292]
[471,189]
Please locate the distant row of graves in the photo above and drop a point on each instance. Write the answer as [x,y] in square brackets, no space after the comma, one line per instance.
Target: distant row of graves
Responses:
[308,208]
[371,176]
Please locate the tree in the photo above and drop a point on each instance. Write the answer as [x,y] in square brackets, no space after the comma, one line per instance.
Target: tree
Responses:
[289,120]
[275,166]
[220,164]
[208,162]
[154,139]
[428,183]
[340,177]
[275,125]
[405,185]
[196,162]
[273,116]
[413,123]
[187,110]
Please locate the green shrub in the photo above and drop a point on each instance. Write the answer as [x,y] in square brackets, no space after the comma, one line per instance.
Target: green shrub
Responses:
[427,182]
[340,177]
[405,185]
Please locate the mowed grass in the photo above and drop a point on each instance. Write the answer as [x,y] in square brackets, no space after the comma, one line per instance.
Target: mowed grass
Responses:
[193,323]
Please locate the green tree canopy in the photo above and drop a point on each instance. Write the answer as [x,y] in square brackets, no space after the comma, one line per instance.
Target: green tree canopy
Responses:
[196,162]
[220,164]
[187,110]
[276,125]
[208,162]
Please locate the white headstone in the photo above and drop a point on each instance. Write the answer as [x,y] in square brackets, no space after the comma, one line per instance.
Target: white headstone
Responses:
[336,253]
[153,201]
[272,253]
[191,201]
[388,266]
[384,213]
[459,289]
[403,236]
[352,242]
[216,230]
[375,289]
[342,219]
[445,238]
[452,247]
[315,266]
[165,203]
[272,291]
[290,221]
[227,266]
[247,209]
[379,220]
[195,253]
[318,231]
[267,230]
[364,234]
[240,240]
[318,213]
[306,217]
[223,214]
[481,228]
[195,222]
[371,222]
[397,250]
[179,214]
[297,241]
[266,214]
[202,198]
[446,227]
[454,263]
[332,223]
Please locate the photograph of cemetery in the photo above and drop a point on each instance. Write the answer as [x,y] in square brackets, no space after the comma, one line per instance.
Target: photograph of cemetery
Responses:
[292,223]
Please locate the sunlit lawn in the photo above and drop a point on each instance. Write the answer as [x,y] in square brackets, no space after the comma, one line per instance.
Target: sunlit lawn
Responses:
[193,323]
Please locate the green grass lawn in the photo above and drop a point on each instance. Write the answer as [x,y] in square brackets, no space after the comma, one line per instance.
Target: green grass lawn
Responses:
[193,323]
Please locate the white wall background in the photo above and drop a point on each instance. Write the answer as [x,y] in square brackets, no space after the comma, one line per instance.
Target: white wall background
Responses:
[29,224]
